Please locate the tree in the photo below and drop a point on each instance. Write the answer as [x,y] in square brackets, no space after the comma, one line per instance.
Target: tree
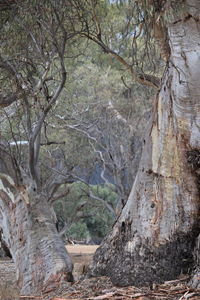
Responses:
[154,238]
[87,213]
[108,116]
[33,76]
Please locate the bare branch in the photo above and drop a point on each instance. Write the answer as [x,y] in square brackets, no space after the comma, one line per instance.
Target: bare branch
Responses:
[21,143]
[52,143]
[51,103]
[26,143]
[59,196]
[146,79]
[91,195]
[27,111]
[64,229]
[33,149]
[59,177]
[37,147]
[96,20]
[105,203]
[118,116]
[43,77]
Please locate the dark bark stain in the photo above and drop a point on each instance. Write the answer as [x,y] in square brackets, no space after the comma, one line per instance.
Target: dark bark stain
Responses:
[147,264]
[193,159]
[188,17]
[123,227]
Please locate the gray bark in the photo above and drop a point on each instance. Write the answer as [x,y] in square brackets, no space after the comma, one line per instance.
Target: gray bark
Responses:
[28,225]
[154,238]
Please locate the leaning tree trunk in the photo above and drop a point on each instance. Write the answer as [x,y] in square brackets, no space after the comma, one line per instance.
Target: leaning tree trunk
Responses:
[28,225]
[154,238]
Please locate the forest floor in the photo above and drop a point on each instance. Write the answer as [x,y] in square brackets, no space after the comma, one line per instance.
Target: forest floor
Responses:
[98,288]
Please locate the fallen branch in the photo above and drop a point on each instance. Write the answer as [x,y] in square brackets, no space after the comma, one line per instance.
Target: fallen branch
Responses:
[31,297]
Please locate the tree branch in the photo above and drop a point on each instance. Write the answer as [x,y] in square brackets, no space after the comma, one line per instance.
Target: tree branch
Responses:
[59,196]
[33,148]
[118,116]
[108,206]
[146,79]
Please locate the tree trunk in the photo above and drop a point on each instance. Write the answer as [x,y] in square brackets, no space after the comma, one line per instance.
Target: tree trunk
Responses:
[28,224]
[154,238]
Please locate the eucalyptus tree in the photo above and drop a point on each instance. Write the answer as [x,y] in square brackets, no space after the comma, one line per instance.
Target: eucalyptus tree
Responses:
[36,39]
[154,238]
[107,121]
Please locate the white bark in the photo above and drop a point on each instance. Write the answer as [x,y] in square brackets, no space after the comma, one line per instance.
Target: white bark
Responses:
[28,224]
[154,237]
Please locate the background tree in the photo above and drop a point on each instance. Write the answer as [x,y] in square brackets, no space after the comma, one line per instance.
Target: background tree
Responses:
[87,212]
[102,124]
[109,114]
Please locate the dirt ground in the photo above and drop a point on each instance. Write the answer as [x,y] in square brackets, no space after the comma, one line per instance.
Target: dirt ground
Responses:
[81,249]
[81,256]
[99,288]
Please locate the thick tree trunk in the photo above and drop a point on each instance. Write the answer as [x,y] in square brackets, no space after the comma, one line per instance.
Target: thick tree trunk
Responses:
[154,238]
[28,224]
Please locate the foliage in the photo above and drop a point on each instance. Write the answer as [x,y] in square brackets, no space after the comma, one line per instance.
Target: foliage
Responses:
[78,231]
[87,218]
[93,81]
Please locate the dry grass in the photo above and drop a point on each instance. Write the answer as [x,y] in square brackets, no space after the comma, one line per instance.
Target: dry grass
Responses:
[81,256]
[81,249]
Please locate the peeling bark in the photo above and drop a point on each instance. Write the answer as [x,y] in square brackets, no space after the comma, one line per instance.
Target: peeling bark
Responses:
[154,238]
[28,224]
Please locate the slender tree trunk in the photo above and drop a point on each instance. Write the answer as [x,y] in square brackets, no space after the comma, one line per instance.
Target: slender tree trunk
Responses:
[154,238]
[28,224]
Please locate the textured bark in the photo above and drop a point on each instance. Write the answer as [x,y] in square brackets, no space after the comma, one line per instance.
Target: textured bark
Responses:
[28,224]
[154,238]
